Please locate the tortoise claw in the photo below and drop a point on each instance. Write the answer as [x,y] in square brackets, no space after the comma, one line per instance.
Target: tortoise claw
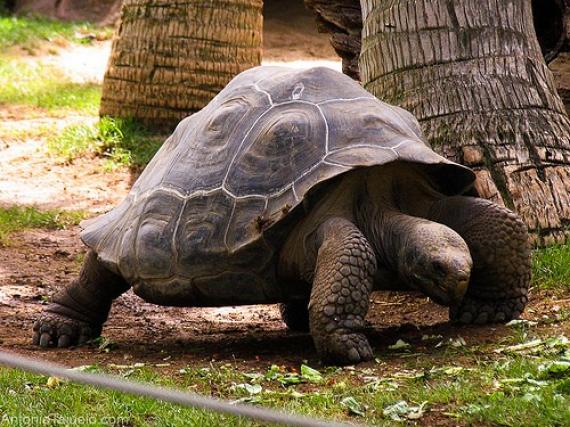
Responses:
[480,311]
[345,349]
[56,330]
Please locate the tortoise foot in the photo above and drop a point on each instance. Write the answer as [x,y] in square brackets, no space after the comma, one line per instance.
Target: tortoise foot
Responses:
[344,349]
[56,330]
[480,312]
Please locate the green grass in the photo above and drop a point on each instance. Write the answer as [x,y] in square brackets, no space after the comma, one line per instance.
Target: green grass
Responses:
[41,86]
[122,142]
[30,32]
[37,85]
[18,218]
[551,267]
[69,403]
[492,390]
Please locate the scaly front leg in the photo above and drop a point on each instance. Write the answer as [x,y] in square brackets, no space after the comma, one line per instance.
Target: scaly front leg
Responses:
[342,283]
[499,245]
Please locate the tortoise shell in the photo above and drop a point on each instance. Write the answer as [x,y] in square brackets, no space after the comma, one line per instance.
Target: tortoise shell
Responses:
[193,229]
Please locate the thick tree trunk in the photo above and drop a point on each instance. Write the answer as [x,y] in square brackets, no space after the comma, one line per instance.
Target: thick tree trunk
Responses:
[472,72]
[343,19]
[170,58]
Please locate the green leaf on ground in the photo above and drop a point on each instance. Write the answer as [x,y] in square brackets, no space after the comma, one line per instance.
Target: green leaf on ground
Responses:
[401,410]
[353,406]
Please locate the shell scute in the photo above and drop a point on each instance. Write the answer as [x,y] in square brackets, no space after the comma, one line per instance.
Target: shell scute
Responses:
[365,122]
[278,151]
[154,244]
[200,233]
[245,221]
[207,149]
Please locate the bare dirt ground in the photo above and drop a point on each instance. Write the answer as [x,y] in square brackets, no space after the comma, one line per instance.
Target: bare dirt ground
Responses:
[30,176]
[38,262]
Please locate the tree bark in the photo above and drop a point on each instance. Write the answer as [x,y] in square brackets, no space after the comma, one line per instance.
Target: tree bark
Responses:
[343,19]
[170,58]
[473,73]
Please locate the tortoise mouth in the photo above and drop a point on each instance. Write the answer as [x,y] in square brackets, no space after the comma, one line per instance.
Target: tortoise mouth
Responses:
[448,292]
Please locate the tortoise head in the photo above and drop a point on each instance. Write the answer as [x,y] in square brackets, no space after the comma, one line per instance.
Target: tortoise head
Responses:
[438,263]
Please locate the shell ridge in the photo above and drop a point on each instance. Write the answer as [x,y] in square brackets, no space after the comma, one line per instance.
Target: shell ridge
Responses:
[311,169]
[322,113]
[294,191]
[257,88]
[352,147]
[228,225]
[395,148]
[331,163]
[173,246]
[358,98]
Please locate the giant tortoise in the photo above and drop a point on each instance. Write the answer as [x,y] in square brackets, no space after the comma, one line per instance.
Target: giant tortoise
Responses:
[299,188]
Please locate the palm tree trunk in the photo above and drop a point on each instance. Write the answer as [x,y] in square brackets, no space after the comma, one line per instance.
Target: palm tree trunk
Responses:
[170,58]
[343,20]
[473,73]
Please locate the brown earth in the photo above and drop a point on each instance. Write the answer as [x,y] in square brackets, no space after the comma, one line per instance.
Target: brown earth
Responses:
[290,33]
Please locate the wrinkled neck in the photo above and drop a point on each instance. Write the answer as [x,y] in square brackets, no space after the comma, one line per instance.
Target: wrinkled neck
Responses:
[391,234]
[395,201]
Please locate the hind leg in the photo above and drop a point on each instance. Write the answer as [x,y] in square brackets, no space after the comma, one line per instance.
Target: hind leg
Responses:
[77,314]
[499,245]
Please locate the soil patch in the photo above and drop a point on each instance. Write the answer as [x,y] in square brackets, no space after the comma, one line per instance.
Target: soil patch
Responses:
[32,176]
[290,33]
